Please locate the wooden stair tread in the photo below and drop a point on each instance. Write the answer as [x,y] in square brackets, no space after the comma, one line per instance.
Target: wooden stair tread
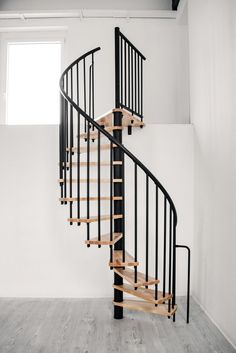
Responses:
[94,134]
[161,309]
[128,275]
[92,180]
[118,259]
[83,149]
[143,293]
[94,218]
[105,239]
[127,119]
[93,164]
[94,198]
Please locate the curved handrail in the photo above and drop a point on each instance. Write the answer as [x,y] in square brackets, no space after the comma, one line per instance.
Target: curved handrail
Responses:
[110,137]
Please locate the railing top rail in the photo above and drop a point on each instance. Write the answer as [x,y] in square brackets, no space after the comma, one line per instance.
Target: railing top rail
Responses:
[130,44]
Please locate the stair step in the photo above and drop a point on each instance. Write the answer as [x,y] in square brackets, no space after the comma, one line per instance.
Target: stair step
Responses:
[102,198]
[93,164]
[94,134]
[118,259]
[128,275]
[143,293]
[105,146]
[94,218]
[105,239]
[127,119]
[91,180]
[161,309]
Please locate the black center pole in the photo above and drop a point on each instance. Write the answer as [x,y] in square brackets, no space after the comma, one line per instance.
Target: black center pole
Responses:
[118,173]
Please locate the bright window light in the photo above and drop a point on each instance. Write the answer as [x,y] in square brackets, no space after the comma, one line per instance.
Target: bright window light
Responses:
[33,83]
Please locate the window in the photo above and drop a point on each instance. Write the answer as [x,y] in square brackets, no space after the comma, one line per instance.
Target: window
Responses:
[32,92]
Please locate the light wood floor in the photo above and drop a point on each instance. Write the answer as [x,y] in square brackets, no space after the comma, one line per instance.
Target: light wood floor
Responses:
[87,326]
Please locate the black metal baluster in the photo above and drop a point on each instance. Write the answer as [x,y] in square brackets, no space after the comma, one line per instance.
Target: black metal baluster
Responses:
[93,88]
[85,106]
[78,146]
[111,200]
[90,90]
[123,195]
[164,251]
[121,70]
[147,225]
[129,74]
[99,187]
[88,182]
[174,270]
[61,146]
[141,90]
[125,84]
[135,81]
[135,221]
[156,247]
[71,144]
[138,85]
[170,255]
[132,80]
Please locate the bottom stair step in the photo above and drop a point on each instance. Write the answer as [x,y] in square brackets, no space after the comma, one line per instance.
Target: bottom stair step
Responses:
[143,293]
[161,309]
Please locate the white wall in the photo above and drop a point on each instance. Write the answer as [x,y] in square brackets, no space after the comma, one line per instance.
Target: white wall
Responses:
[163,42]
[40,254]
[16,5]
[212,88]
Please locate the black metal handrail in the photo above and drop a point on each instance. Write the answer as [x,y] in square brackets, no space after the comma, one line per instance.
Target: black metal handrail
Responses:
[77,109]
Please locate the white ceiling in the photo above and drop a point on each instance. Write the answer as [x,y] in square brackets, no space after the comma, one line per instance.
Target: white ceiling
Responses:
[28,5]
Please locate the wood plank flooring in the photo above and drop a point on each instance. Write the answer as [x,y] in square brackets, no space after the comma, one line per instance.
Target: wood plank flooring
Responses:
[87,326]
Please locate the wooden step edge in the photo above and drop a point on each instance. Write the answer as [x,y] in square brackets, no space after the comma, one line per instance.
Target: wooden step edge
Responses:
[105,239]
[118,259]
[102,198]
[129,279]
[161,309]
[108,117]
[94,135]
[105,181]
[92,164]
[94,219]
[143,293]
[83,149]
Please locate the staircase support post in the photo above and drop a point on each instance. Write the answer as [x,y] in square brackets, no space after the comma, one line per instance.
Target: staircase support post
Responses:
[118,209]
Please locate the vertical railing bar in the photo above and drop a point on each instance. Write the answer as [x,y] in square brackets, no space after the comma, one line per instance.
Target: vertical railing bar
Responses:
[88,181]
[61,145]
[71,143]
[141,90]
[90,90]
[99,185]
[128,76]
[135,82]
[78,146]
[93,88]
[125,59]
[174,269]
[156,246]
[147,225]
[123,203]
[170,256]
[164,251]
[85,106]
[132,81]
[135,221]
[121,70]
[139,85]
[111,200]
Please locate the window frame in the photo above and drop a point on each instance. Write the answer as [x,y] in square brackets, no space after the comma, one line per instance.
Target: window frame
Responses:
[23,37]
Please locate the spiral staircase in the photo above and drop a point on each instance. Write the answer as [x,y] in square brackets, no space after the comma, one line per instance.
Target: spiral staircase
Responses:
[97,172]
